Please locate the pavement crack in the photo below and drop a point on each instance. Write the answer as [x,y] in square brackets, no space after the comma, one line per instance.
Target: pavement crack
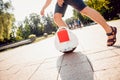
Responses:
[10,67]
[36,69]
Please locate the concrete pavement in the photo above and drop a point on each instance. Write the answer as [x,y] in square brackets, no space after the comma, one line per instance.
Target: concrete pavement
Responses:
[92,60]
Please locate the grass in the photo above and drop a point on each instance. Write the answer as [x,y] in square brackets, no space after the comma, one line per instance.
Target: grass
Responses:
[43,38]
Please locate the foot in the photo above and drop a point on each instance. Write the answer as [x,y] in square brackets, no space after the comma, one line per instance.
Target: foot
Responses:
[112,37]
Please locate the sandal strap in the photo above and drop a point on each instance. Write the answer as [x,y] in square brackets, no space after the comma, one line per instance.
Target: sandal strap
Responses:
[111,33]
[111,40]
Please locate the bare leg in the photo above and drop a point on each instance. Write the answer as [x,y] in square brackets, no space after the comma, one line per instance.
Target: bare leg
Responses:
[58,20]
[96,16]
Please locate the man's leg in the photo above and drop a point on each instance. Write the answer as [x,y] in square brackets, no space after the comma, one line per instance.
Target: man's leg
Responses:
[96,16]
[58,14]
[58,20]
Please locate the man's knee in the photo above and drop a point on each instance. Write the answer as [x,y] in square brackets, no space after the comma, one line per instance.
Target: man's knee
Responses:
[85,10]
[57,16]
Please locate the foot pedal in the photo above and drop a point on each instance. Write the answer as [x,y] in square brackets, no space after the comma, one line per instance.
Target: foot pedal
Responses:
[63,35]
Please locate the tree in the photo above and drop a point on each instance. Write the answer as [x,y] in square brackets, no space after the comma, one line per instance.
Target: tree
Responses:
[99,5]
[31,25]
[49,25]
[20,30]
[34,23]
[114,9]
[108,8]
[6,21]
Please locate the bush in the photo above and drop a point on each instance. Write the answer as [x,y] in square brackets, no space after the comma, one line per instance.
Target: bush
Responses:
[1,39]
[53,33]
[115,18]
[45,35]
[18,38]
[32,37]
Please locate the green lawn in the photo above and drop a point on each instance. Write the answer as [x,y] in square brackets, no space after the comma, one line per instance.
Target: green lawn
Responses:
[43,37]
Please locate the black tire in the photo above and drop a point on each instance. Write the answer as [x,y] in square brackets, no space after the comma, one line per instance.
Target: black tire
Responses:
[70,51]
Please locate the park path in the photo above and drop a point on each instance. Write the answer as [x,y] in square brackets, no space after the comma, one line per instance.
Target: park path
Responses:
[92,60]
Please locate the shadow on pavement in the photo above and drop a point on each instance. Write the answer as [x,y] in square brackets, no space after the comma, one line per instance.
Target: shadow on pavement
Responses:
[74,66]
[116,46]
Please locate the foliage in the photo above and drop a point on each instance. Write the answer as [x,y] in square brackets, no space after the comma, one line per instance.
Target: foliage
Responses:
[34,24]
[114,9]
[20,30]
[6,21]
[32,37]
[18,38]
[108,8]
[99,5]
[45,35]
[49,25]
[53,33]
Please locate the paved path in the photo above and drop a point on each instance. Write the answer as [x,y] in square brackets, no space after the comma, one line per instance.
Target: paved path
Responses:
[92,60]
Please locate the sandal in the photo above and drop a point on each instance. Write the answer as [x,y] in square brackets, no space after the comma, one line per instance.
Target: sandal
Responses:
[113,33]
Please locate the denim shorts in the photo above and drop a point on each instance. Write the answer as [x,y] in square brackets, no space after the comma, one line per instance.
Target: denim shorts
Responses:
[77,4]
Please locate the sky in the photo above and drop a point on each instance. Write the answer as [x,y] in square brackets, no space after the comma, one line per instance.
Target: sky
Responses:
[23,8]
